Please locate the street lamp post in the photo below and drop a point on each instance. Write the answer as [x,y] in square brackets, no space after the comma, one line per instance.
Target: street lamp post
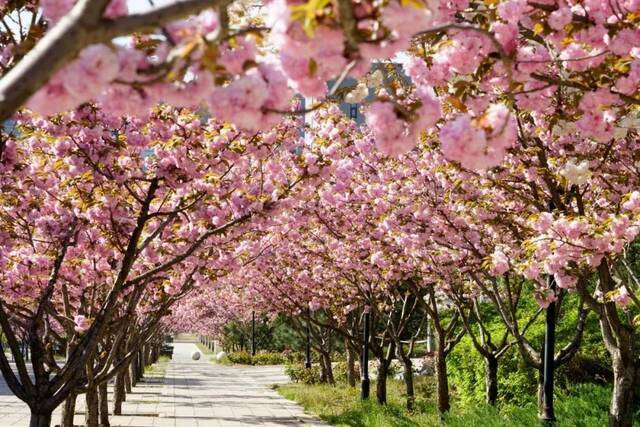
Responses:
[307,360]
[547,414]
[549,350]
[364,381]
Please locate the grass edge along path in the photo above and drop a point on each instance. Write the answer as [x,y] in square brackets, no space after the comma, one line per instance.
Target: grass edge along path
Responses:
[585,405]
[158,370]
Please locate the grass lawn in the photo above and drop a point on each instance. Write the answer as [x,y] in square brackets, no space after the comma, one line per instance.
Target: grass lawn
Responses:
[158,369]
[584,406]
[203,348]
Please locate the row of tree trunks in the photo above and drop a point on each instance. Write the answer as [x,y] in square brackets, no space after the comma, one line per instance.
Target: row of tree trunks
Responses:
[96,393]
[208,342]
[326,368]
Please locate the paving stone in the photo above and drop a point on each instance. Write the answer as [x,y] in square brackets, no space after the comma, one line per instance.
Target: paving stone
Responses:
[193,394]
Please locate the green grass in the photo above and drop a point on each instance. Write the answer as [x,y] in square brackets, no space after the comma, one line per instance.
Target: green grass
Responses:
[203,348]
[212,357]
[159,368]
[584,405]
[224,361]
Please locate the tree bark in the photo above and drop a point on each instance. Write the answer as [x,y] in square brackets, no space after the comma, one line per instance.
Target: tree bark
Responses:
[119,392]
[381,382]
[145,356]
[155,352]
[140,366]
[540,391]
[408,382]
[622,400]
[443,381]
[103,399]
[40,419]
[127,382]
[326,362]
[323,372]
[351,366]
[81,27]
[133,372]
[68,410]
[491,380]
[91,416]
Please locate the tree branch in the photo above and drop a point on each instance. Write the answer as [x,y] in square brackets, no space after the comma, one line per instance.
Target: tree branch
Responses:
[82,26]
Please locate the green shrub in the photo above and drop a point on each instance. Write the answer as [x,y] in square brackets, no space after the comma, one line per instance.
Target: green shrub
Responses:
[269,359]
[340,371]
[240,357]
[300,374]
[293,356]
[262,358]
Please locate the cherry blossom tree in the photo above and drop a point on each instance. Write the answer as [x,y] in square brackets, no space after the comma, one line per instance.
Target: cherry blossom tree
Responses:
[108,221]
[242,60]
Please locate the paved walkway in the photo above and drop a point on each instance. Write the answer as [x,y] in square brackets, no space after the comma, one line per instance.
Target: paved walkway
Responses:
[198,393]
[193,394]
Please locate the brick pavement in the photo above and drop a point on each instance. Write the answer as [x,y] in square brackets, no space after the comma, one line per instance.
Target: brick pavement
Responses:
[192,394]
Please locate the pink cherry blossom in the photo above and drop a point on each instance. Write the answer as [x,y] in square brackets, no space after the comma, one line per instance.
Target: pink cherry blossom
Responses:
[621,297]
[81,323]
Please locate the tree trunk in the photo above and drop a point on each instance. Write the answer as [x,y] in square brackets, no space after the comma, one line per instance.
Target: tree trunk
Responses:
[68,410]
[103,399]
[326,358]
[491,380]
[133,372]
[323,371]
[351,366]
[119,392]
[152,353]
[127,382]
[408,382]
[40,419]
[540,391]
[381,382]
[622,400]
[140,366]
[443,381]
[91,416]
[145,355]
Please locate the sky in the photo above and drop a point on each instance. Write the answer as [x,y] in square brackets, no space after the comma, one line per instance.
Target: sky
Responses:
[137,6]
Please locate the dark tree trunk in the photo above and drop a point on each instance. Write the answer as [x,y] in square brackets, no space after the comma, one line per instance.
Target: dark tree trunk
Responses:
[127,382]
[119,392]
[133,372]
[140,365]
[622,400]
[68,410]
[154,353]
[491,380]
[103,399]
[323,372]
[326,362]
[351,366]
[145,356]
[381,382]
[407,375]
[40,419]
[91,416]
[443,381]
